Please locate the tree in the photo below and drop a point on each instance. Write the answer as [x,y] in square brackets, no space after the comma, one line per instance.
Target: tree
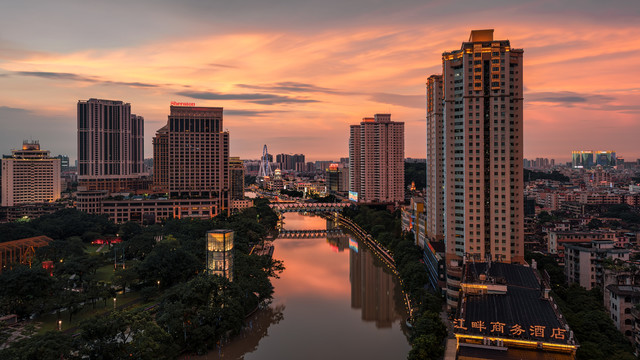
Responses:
[594,224]
[24,290]
[415,172]
[122,335]
[169,263]
[199,313]
[129,229]
[426,347]
[50,345]
[124,277]
[544,217]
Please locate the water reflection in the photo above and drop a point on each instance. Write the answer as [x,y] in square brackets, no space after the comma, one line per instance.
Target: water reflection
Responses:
[341,303]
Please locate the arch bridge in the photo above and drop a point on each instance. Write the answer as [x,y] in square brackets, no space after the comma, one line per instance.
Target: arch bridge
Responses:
[308,234]
[308,207]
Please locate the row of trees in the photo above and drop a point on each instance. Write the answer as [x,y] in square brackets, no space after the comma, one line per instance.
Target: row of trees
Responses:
[193,310]
[428,332]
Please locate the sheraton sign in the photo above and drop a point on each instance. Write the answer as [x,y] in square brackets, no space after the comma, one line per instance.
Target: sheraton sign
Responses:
[175,103]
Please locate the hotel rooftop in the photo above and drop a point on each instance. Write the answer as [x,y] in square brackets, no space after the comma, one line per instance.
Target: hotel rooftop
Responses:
[506,309]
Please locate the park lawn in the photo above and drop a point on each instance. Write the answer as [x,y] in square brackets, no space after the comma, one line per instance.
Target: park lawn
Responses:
[105,272]
[91,249]
[50,321]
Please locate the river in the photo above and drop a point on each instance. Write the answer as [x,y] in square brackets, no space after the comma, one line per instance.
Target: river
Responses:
[335,300]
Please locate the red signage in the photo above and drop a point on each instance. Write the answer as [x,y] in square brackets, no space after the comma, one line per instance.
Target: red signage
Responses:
[175,103]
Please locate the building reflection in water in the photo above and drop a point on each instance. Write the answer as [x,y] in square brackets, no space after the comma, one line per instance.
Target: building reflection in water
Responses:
[373,286]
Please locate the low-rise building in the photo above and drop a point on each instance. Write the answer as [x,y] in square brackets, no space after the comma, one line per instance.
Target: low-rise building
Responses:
[556,240]
[623,299]
[144,210]
[584,262]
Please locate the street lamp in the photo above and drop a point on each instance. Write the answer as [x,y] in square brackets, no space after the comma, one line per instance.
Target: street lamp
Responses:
[158,284]
[59,325]
[114,303]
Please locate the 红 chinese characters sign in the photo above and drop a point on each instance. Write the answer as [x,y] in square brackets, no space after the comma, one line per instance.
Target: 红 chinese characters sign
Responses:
[496,328]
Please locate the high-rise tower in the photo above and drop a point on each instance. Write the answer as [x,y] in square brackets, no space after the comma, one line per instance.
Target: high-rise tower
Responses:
[376,155]
[482,154]
[193,155]
[110,145]
[435,159]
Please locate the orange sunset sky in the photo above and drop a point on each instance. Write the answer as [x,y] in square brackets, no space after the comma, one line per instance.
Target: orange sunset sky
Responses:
[294,74]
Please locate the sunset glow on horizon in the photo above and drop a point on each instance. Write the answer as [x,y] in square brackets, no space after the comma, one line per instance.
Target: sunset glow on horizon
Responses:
[297,84]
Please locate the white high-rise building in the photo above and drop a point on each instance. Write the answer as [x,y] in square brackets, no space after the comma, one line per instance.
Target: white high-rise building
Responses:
[29,176]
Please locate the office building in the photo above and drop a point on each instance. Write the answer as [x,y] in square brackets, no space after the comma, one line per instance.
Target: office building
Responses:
[192,155]
[589,159]
[110,145]
[482,107]
[376,158]
[236,176]
[191,172]
[336,179]
[64,162]
[291,162]
[30,175]
[161,161]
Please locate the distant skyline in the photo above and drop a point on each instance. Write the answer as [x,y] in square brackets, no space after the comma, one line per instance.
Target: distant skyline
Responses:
[294,74]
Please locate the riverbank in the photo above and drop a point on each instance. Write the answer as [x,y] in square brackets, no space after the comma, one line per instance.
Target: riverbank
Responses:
[381,252]
[383,227]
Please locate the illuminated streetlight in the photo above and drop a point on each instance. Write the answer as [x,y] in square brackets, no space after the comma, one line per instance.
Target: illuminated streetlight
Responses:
[59,325]
[114,303]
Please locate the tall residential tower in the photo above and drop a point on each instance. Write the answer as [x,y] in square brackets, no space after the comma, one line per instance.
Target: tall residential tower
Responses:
[482,155]
[376,158]
[435,159]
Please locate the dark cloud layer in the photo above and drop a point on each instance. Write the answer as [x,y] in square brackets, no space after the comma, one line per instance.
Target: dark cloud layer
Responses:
[568,98]
[82,78]
[256,98]
[289,86]
[250,113]
[411,101]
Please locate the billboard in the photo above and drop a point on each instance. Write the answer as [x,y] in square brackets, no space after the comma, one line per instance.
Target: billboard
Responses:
[353,244]
[353,196]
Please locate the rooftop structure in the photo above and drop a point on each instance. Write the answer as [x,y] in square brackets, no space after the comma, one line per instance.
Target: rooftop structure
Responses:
[508,306]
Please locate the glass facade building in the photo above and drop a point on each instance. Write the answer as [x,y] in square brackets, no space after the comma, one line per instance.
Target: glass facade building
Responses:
[589,159]
[220,253]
